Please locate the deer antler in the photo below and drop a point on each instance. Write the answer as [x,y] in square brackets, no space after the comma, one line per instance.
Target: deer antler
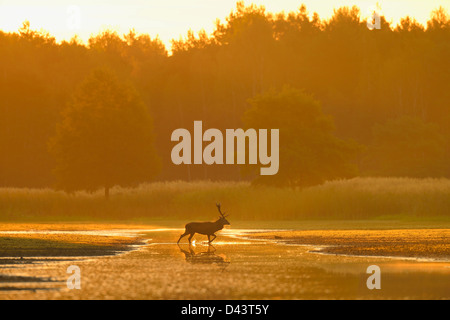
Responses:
[218,207]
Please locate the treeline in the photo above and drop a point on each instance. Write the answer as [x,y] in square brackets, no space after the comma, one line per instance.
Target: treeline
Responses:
[386,89]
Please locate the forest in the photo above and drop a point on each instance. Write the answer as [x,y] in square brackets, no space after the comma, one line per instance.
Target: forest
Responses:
[381,95]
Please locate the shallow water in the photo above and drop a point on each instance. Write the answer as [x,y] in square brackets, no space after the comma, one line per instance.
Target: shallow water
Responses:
[234,268]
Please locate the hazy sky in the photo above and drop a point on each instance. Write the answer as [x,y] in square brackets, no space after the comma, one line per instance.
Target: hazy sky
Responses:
[172,18]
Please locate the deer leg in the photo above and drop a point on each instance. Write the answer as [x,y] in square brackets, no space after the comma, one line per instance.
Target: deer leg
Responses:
[210,241]
[190,238]
[183,235]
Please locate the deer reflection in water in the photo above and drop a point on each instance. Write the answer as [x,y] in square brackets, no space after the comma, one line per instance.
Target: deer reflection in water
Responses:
[205,257]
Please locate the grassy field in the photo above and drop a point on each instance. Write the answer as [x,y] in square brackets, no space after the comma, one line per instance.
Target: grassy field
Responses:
[51,245]
[355,199]
[21,240]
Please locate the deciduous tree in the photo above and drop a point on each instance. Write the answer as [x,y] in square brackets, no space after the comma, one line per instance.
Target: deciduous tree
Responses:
[310,153]
[105,137]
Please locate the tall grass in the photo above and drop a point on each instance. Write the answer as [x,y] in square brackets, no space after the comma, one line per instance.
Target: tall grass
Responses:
[359,198]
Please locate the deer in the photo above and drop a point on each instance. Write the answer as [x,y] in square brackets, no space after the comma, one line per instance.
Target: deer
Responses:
[206,228]
[206,257]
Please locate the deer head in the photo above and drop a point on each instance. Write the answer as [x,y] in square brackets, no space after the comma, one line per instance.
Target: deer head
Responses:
[222,217]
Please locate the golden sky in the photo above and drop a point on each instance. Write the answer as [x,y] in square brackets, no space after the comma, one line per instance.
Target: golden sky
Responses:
[172,18]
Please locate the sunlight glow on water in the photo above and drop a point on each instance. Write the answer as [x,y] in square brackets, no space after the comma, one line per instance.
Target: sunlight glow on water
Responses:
[255,268]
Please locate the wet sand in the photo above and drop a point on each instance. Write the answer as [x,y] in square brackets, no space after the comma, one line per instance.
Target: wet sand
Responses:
[423,244]
[235,268]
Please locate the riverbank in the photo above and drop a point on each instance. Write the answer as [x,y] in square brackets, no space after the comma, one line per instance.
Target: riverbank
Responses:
[432,244]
